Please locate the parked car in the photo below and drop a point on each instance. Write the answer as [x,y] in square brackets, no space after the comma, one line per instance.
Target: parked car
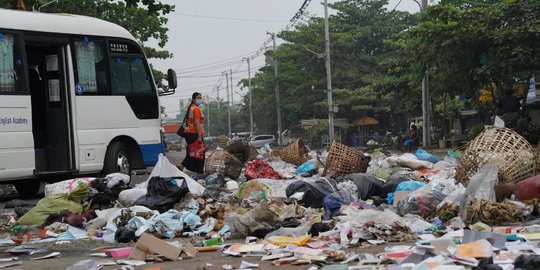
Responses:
[261,140]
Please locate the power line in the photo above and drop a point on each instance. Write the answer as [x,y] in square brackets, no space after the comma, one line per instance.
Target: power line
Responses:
[218,62]
[227,18]
[217,75]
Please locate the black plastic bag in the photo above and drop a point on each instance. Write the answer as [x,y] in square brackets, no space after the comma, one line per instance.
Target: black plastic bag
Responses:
[125,235]
[163,193]
[391,184]
[527,262]
[368,186]
[313,193]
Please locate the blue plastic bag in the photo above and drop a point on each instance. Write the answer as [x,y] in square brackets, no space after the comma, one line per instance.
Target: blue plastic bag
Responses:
[405,186]
[425,156]
[306,167]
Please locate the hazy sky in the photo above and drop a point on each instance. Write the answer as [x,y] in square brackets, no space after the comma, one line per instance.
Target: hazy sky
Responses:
[208,37]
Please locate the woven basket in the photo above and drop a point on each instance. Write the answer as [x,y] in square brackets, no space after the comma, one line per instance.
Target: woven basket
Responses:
[501,146]
[223,162]
[295,153]
[240,150]
[343,160]
[538,159]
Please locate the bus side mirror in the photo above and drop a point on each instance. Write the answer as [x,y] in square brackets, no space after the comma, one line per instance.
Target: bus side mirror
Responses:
[171,78]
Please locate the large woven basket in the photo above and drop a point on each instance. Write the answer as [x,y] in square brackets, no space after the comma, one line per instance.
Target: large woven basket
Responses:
[295,153]
[501,146]
[223,162]
[240,150]
[538,159]
[343,160]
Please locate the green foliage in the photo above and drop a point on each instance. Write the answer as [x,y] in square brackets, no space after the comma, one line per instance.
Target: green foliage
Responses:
[361,59]
[468,45]
[144,19]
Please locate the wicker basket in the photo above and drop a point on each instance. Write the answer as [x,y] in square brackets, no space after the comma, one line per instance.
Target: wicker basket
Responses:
[343,160]
[502,146]
[538,159]
[224,163]
[240,150]
[295,153]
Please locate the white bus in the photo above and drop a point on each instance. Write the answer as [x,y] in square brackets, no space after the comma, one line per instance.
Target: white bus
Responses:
[76,98]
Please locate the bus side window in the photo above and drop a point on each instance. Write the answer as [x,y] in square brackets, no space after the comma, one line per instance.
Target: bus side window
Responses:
[91,66]
[129,76]
[11,68]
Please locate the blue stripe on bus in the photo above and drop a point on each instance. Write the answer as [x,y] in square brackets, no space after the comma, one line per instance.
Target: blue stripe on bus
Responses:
[150,153]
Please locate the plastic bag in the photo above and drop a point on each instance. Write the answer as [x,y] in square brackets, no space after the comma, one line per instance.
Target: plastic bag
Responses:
[55,204]
[332,203]
[421,202]
[196,150]
[306,167]
[313,193]
[481,186]
[260,169]
[129,197]
[162,194]
[425,156]
[259,217]
[368,186]
[65,186]
[411,161]
[298,231]
[404,186]
[165,169]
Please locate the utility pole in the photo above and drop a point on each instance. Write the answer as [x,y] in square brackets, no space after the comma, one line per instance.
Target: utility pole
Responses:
[208,114]
[328,74]
[232,91]
[250,99]
[276,90]
[228,104]
[426,129]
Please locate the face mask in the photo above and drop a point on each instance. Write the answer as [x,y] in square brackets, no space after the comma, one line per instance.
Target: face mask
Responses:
[198,101]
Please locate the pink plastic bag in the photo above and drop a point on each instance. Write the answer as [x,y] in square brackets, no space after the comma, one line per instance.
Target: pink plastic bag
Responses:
[196,150]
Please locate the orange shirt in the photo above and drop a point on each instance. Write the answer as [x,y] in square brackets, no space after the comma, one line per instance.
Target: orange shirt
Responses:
[194,113]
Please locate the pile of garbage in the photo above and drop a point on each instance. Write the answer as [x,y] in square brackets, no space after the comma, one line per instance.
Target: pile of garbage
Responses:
[408,207]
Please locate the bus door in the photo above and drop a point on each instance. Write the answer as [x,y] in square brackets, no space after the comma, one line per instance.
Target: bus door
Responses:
[51,122]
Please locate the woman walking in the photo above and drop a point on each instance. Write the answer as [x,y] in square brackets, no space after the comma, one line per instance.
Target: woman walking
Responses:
[194,134]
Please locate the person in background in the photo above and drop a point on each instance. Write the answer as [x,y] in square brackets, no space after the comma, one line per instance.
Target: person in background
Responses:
[194,132]
[509,106]
[235,137]
[413,138]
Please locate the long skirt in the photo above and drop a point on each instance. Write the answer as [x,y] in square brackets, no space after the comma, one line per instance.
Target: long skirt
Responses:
[192,164]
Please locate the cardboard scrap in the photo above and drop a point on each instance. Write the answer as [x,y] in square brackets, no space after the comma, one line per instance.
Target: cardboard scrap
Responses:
[148,244]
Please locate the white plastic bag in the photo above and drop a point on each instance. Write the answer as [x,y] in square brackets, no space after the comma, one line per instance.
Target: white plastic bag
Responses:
[128,197]
[164,168]
[481,186]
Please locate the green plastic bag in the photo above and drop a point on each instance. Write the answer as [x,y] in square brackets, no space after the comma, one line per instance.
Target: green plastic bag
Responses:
[55,204]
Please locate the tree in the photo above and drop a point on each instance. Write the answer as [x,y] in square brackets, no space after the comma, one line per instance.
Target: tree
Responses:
[359,33]
[144,19]
[474,44]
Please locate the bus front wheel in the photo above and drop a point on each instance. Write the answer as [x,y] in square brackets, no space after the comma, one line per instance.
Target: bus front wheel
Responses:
[117,159]
[28,188]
